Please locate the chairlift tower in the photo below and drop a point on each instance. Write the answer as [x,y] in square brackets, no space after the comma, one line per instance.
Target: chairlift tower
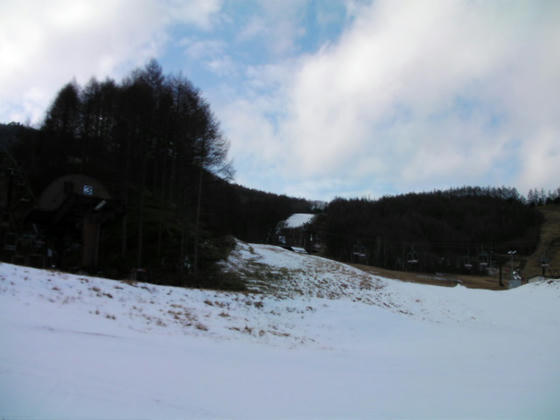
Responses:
[467,261]
[513,281]
[544,264]
[483,258]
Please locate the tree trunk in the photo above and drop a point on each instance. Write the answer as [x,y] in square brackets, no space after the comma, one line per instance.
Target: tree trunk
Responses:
[163,210]
[127,158]
[182,246]
[140,239]
[197,222]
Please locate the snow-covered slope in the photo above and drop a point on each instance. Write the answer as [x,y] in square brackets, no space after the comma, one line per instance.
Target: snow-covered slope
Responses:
[314,339]
[272,270]
[297,220]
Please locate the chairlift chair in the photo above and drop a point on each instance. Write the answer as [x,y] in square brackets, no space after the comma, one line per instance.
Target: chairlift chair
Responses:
[412,258]
[483,259]
[467,262]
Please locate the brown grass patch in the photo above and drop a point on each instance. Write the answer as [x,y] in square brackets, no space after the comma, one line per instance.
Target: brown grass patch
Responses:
[201,327]
[449,280]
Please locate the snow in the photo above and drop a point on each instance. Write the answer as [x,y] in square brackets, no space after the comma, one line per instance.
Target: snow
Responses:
[313,339]
[298,220]
[299,250]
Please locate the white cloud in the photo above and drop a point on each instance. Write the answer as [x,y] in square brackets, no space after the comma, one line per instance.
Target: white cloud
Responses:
[222,66]
[424,95]
[196,12]
[211,52]
[45,44]
[540,165]
[278,23]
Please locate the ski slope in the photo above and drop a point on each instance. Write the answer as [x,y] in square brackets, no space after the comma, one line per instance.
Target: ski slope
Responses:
[297,220]
[313,339]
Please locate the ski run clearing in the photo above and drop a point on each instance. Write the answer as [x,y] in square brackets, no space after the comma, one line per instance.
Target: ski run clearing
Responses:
[312,339]
[298,220]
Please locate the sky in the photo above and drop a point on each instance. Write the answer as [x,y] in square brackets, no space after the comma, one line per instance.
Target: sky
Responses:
[323,98]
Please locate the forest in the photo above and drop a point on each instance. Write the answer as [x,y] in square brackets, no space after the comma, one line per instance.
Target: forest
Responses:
[458,230]
[153,141]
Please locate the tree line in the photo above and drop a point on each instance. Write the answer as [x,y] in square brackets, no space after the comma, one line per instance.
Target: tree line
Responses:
[536,197]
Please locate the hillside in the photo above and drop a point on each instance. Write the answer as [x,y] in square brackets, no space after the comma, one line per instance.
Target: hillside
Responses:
[452,231]
[313,339]
[549,243]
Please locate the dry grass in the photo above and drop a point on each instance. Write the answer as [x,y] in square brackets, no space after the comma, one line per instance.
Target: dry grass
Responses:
[449,280]
[201,327]
[100,293]
[129,282]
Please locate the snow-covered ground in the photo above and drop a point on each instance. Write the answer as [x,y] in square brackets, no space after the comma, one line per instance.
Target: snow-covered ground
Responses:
[314,339]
